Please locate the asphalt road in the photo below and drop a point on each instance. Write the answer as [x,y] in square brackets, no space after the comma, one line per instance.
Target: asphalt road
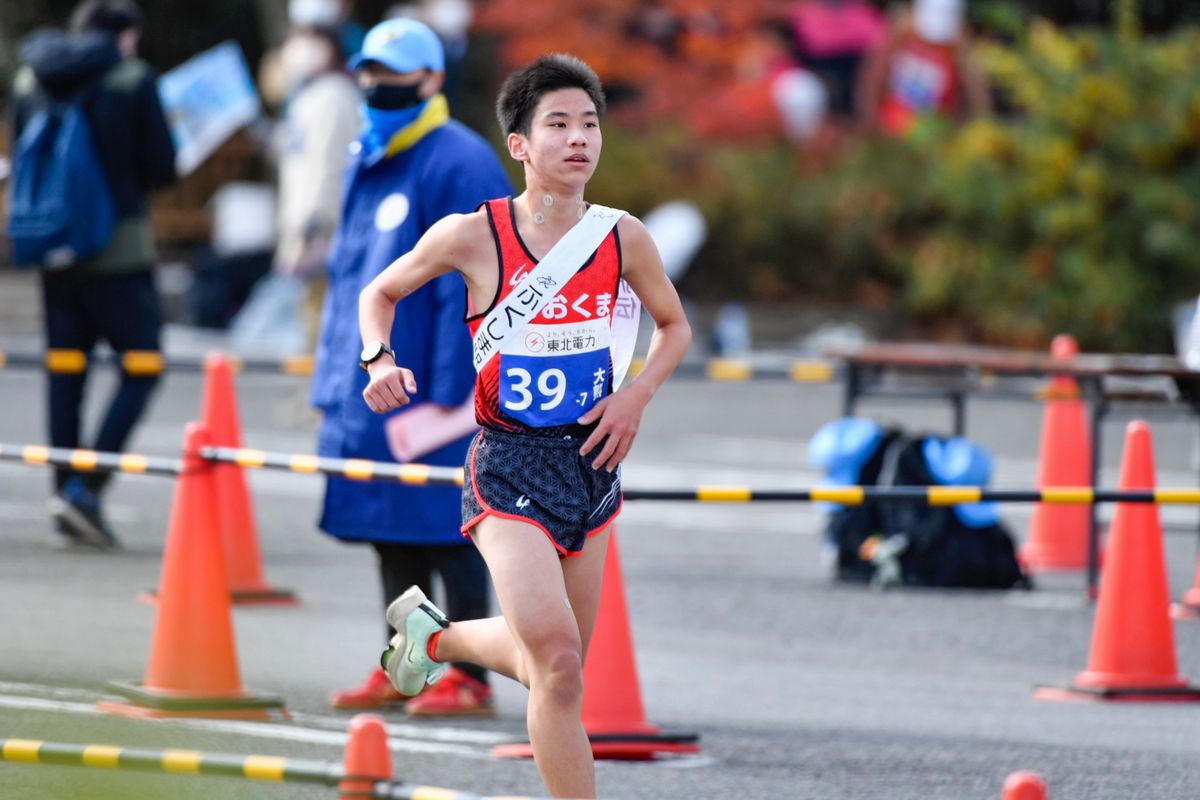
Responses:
[799,688]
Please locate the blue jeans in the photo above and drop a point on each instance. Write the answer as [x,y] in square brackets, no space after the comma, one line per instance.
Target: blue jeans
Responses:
[80,310]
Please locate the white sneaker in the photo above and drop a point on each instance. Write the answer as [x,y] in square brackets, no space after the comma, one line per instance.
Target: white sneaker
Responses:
[406,661]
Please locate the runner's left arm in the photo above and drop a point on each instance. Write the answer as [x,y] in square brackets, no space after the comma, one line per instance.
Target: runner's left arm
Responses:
[620,413]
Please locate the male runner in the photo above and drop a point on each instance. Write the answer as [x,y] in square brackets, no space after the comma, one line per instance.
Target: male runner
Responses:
[543,483]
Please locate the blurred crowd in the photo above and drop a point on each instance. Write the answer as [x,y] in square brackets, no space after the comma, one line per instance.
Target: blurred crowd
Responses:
[808,71]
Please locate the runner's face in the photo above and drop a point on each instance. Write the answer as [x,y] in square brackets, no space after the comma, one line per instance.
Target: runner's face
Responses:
[564,137]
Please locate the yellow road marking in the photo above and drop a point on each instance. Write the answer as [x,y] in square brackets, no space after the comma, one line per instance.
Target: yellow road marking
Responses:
[297,365]
[728,369]
[811,372]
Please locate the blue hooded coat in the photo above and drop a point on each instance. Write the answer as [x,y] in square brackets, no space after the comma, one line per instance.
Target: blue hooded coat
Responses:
[386,206]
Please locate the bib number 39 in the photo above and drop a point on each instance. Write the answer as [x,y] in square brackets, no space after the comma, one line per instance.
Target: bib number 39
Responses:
[542,392]
[551,389]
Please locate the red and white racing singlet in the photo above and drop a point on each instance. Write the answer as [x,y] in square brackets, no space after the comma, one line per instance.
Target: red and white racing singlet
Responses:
[562,366]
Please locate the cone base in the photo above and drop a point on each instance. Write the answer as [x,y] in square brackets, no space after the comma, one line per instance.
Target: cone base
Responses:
[619,746]
[1127,694]
[264,596]
[143,701]
[257,596]
[1034,560]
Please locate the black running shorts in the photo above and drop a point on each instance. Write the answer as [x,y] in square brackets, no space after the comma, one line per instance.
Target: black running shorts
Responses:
[542,481]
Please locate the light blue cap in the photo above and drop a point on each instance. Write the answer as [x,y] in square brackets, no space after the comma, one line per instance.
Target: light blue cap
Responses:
[402,45]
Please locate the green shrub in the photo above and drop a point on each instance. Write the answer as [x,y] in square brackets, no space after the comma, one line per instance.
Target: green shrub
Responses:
[1080,214]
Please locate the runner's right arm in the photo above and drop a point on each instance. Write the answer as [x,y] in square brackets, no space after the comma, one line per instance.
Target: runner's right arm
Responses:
[439,251]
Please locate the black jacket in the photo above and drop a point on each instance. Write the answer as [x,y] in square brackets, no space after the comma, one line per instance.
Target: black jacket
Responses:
[121,105]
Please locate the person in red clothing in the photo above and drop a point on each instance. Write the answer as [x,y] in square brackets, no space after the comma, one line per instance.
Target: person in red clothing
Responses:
[923,67]
[543,478]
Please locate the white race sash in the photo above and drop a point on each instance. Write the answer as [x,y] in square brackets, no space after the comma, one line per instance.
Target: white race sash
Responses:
[627,313]
[507,321]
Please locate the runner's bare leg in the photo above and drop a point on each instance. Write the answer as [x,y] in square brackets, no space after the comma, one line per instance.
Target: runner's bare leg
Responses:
[544,648]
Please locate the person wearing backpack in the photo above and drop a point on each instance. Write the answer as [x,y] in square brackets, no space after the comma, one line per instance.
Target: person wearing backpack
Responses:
[100,285]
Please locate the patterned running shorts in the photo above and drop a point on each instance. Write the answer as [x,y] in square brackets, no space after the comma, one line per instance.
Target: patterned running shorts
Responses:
[542,481]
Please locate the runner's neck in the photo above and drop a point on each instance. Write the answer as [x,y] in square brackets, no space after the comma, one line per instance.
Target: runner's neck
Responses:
[546,215]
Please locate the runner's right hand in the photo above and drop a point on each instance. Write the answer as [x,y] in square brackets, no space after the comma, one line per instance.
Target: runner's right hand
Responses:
[390,387]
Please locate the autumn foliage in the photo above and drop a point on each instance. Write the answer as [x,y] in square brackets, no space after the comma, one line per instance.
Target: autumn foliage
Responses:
[698,64]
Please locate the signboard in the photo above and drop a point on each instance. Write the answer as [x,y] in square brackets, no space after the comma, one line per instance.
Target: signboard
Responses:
[207,99]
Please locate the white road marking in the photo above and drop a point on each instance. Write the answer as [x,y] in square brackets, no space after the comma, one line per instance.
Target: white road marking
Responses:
[397,741]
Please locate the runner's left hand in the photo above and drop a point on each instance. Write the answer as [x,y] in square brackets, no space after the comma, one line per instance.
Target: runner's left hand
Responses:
[620,415]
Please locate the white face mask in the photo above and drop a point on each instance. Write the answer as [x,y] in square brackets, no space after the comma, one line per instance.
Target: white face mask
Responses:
[315,12]
[450,18]
[938,21]
[302,58]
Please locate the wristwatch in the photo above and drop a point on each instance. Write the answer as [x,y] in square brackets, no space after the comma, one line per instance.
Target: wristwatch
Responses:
[372,352]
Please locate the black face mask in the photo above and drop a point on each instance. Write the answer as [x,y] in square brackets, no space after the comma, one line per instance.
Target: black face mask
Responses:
[392,98]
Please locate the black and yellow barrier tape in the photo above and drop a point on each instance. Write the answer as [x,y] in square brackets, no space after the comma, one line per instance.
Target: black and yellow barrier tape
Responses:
[90,460]
[356,469]
[195,762]
[927,495]
[176,761]
[425,475]
[150,362]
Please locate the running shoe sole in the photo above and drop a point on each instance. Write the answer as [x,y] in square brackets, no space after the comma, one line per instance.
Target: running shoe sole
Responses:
[407,674]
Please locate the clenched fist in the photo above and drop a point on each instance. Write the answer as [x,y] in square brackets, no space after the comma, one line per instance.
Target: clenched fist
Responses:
[390,387]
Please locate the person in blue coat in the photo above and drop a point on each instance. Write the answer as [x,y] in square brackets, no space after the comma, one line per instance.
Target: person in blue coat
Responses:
[411,166]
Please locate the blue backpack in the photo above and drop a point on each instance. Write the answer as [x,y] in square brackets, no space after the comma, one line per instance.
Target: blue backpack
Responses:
[60,210]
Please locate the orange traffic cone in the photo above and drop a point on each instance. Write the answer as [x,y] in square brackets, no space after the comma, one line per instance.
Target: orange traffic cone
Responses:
[1024,786]
[367,760]
[612,699]
[192,670]
[1133,649]
[1058,533]
[1189,606]
[239,537]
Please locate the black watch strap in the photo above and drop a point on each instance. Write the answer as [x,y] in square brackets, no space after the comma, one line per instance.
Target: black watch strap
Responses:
[381,349]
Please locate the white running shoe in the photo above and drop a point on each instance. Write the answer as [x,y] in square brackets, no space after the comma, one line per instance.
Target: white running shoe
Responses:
[406,661]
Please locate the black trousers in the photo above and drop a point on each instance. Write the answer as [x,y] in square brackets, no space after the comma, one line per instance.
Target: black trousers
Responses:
[463,574]
[81,309]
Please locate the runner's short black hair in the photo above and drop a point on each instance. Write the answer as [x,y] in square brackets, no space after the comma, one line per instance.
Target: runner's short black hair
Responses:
[524,88]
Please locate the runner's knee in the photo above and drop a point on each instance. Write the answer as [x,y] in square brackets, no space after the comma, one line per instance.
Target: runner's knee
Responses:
[559,674]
